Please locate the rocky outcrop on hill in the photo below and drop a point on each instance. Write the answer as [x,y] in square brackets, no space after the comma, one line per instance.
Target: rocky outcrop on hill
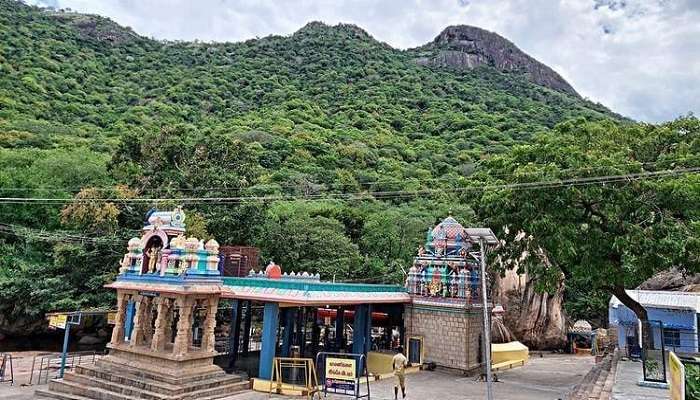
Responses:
[466,47]
[96,27]
[672,279]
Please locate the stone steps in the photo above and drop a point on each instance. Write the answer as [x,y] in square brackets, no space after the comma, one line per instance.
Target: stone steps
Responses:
[84,381]
[154,391]
[86,389]
[598,382]
[45,394]
[152,385]
[166,376]
[116,381]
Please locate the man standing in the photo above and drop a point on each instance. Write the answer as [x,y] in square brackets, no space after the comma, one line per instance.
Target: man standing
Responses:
[399,365]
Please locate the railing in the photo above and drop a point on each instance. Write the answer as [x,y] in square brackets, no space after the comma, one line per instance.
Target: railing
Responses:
[223,346]
[653,353]
[5,368]
[46,366]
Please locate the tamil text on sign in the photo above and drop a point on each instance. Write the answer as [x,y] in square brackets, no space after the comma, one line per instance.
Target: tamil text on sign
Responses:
[340,369]
[58,321]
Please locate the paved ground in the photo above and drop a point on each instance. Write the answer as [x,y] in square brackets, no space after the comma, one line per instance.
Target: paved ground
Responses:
[22,364]
[629,373]
[549,377]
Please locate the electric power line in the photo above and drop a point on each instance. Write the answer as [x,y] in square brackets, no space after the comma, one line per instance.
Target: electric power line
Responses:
[335,184]
[580,181]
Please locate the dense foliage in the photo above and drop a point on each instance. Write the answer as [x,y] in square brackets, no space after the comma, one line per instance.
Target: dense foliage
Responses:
[602,237]
[89,109]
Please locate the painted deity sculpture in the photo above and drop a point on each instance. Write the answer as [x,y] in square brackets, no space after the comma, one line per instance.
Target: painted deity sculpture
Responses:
[443,267]
[163,249]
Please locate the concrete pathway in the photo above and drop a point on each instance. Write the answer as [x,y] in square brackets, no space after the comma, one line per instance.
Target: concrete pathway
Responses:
[549,377]
[629,373]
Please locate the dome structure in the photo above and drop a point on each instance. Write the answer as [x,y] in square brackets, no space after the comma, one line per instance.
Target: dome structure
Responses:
[134,243]
[447,238]
[212,245]
[178,242]
[582,326]
[192,243]
[273,271]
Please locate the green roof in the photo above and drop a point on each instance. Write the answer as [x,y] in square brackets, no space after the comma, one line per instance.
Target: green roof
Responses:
[308,285]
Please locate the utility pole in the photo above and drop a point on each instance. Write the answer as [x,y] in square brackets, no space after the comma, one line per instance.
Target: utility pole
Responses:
[487,322]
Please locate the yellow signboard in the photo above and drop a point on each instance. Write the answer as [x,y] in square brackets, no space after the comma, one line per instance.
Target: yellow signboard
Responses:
[677,377]
[58,321]
[341,369]
[111,318]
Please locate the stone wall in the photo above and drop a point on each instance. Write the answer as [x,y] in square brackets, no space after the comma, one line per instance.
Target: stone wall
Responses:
[450,334]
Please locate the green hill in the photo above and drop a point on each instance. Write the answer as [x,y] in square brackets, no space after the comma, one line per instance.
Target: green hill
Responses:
[328,110]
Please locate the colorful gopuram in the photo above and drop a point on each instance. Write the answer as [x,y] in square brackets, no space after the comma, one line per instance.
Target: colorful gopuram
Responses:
[443,269]
[446,312]
[166,285]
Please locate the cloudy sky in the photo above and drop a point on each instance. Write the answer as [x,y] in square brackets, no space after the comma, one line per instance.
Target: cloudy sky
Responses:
[641,58]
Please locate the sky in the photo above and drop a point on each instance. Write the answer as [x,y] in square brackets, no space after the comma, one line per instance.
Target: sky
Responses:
[640,58]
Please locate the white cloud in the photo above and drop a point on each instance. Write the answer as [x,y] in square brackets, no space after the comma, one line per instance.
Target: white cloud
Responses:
[641,58]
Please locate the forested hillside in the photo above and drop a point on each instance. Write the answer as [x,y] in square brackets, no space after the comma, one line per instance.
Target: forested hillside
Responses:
[245,135]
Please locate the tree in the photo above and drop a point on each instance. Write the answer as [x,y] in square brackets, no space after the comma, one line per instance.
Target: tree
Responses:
[316,244]
[613,235]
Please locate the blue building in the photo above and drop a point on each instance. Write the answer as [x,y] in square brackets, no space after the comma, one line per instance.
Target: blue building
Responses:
[677,313]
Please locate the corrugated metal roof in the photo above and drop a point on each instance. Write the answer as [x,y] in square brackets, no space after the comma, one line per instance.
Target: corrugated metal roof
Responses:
[662,299]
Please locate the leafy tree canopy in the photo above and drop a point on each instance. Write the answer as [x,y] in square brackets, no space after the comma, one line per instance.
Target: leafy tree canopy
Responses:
[603,237]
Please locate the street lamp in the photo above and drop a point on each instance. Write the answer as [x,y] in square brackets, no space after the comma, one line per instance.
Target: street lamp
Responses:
[485,236]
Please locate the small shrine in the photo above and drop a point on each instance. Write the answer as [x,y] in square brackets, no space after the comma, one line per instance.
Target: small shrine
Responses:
[164,251]
[445,316]
[163,341]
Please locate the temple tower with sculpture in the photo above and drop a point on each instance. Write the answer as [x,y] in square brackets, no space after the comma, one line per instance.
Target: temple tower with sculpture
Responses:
[446,309]
[165,283]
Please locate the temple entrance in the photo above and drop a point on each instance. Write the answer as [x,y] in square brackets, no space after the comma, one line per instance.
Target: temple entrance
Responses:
[303,332]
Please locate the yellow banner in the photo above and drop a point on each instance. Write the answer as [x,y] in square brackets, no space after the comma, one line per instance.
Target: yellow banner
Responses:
[677,377]
[58,321]
[340,368]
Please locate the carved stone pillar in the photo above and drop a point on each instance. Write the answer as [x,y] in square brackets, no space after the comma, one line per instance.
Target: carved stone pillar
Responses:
[137,333]
[148,321]
[183,337]
[163,309]
[168,323]
[208,338]
[118,331]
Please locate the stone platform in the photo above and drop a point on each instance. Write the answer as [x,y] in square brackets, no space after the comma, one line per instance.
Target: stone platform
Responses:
[117,377]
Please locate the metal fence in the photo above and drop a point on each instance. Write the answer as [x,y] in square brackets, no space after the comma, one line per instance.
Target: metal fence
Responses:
[47,366]
[653,352]
[7,373]
[223,346]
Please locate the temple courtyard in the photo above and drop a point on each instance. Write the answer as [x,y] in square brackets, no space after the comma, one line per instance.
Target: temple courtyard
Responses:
[548,377]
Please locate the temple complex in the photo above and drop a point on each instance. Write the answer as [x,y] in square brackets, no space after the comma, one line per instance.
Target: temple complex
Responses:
[173,302]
